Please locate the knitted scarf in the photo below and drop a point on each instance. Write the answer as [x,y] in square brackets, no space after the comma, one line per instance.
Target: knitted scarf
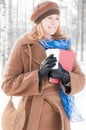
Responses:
[67,101]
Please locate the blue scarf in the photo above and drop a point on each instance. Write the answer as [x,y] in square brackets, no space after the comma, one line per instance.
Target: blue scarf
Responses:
[67,101]
[60,44]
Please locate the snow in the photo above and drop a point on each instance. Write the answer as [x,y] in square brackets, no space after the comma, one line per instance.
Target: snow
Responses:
[80,100]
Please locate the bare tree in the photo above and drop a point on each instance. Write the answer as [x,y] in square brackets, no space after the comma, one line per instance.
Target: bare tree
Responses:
[9,26]
[77,27]
[2,32]
[82,29]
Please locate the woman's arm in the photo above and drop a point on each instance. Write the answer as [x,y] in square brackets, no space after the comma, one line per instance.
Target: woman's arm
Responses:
[77,79]
[15,80]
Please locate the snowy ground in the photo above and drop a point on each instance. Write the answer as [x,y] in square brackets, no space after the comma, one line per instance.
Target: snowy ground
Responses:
[80,100]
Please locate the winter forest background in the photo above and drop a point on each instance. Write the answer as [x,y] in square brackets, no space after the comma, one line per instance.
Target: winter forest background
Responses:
[14,22]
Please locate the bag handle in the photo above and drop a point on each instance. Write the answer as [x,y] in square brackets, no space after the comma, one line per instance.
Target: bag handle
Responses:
[25,99]
[30,54]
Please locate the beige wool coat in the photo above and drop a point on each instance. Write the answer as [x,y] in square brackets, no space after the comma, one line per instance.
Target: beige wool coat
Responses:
[44,111]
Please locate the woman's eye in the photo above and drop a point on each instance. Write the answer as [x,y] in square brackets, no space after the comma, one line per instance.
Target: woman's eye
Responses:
[49,18]
[57,18]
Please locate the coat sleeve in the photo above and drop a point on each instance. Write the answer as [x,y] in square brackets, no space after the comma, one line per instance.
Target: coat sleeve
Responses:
[77,79]
[16,82]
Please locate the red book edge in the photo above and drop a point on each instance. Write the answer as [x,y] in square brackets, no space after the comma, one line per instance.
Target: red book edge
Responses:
[66,59]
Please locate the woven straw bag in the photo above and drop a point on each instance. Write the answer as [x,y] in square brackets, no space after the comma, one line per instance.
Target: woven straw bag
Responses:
[12,118]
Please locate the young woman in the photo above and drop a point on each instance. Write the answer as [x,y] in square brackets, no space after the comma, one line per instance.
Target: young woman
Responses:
[44,109]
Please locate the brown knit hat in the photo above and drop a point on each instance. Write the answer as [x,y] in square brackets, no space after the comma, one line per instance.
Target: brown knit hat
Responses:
[43,10]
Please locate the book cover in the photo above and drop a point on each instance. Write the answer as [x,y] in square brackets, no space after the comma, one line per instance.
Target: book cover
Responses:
[66,59]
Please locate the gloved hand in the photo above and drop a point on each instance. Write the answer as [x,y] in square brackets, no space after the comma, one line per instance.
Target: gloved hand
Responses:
[61,74]
[46,65]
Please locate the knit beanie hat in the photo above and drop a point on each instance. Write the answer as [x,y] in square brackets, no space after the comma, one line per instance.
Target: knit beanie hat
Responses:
[43,10]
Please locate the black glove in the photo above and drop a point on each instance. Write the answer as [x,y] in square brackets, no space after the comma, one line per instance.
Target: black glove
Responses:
[61,74]
[46,65]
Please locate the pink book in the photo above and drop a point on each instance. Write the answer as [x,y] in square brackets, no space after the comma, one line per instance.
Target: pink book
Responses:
[66,58]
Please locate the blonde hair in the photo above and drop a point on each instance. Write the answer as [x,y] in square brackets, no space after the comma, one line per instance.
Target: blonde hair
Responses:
[38,33]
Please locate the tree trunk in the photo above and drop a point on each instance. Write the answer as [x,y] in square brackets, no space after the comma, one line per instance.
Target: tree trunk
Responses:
[2,33]
[82,29]
[9,25]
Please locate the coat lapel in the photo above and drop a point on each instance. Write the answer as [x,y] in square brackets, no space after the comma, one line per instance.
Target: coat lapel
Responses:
[38,52]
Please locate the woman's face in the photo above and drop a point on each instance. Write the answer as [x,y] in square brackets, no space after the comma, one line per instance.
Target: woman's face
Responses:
[50,25]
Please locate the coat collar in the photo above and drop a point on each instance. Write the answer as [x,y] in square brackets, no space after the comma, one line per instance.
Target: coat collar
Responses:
[37,51]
